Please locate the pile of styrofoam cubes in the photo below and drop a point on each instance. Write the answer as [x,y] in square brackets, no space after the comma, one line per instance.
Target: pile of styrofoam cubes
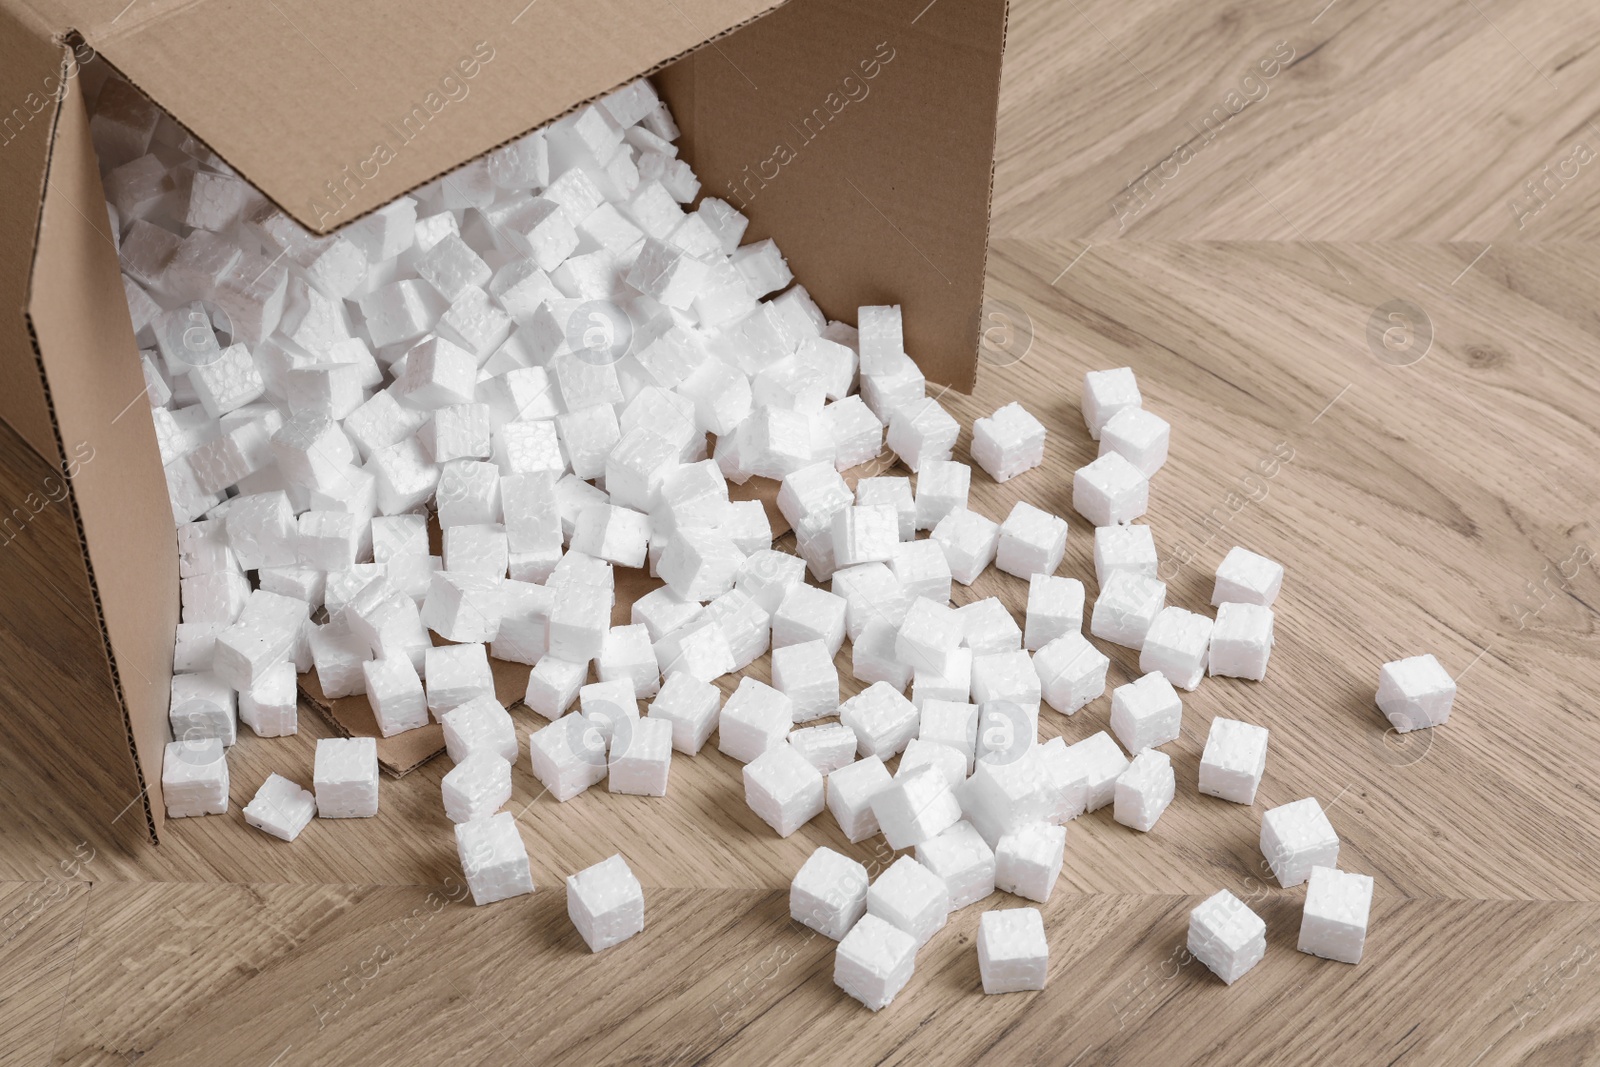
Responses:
[533,351]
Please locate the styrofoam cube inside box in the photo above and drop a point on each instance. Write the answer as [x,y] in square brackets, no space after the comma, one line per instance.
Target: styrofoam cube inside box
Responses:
[850,792]
[553,685]
[1130,547]
[806,674]
[1013,954]
[809,614]
[989,627]
[874,961]
[345,778]
[1028,860]
[641,758]
[755,718]
[493,858]
[1226,936]
[194,777]
[952,683]
[1144,790]
[1296,837]
[692,706]
[456,674]
[941,487]
[1334,922]
[1032,541]
[915,807]
[280,808]
[1243,577]
[477,786]
[1177,645]
[568,756]
[202,705]
[1008,443]
[827,747]
[894,493]
[961,857]
[1139,436]
[911,897]
[1102,763]
[1146,712]
[605,903]
[1234,759]
[1126,607]
[1106,392]
[882,718]
[1110,490]
[1055,609]
[1413,693]
[1241,641]
[969,541]
[829,893]
[782,787]
[271,706]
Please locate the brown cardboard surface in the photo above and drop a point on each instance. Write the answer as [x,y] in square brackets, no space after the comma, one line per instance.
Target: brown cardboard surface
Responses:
[103,429]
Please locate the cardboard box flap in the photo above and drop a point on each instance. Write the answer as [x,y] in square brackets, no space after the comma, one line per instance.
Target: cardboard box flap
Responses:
[335,109]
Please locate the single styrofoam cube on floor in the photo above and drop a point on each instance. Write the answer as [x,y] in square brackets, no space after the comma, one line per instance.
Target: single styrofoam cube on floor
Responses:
[882,718]
[942,486]
[921,432]
[953,683]
[568,756]
[916,807]
[1028,860]
[1146,712]
[1234,759]
[1144,790]
[480,723]
[493,858]
[874,961]
[1130,547]
[829,893]
[1007,676]
[1013,954]
[1106,392]
[1334,923]
[345,778]
[1032,541]
[605,903]
[1008,443]
[642,760]
[1296,837]
[827,747]
[946,759]
[951,723]
[691,706]
[929,635]
[476,787]
[805,673]
[456,674]
[281,808]
[1102,763]
[782,787]
[1110,490]
[864,533]
[271,706]
[961,857]
[194,777]
[755,718]
[895,493]
[910,897]
[851,790]
[395,692]
[1177,644]
[809,614]
[1241,642]
[969,541]
[1413,693]
[1126,607]
[1139,436]
[1055,609]
[553,685]
[1226,936]
[1243,577]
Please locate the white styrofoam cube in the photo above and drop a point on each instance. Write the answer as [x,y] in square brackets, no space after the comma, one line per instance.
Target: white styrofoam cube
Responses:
[456,674]
[1126,607]
[1413,693]
[941,487]
[1007,790]
[827,747]
[864,533]
[829,893]
[1334,922]
[194,777]
[202,705]
[1032,541]
[1243,577]
[1013,954]
[1139,436]
[553,685]
[493,858]
[755,718]
[809,614]
[662,611]
[1007,676]
[875,658]
[856,433]
[953,724]
[1055,609]
[642,760]
[395,692]
[691,706]
[954,682]
[921,569]
[989,627]
[961,857]
[476,787]
[627,655]
[850,792]
[1102,763]
[1177,645]
[874,961]
[281,808]
[1226,936]
[271,706]
[922,432]
[883,719]
[910,897]
[916,807]
[605,903]
[1110,490]
[782,787]
[345,778]
[1106,392]
[1146,712]
[568,756]
[1028,860]
[805,673]
[1130,547]
[929,636]
[969,541]
[1008,442]
[700,564]
[1144,790]
[1241,642]
[1296,837]
[479,723]
[580,619]
[895,493]
[1234,759]
[766,576]
[612,707]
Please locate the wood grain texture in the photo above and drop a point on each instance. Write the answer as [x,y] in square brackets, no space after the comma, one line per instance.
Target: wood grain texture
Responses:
[1438,506]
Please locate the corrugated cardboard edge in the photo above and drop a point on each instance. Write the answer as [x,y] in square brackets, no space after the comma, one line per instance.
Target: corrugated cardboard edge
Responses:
[150,814]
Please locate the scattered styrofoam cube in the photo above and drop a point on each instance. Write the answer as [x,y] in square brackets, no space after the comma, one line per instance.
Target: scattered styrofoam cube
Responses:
[568,756]
[553,685]
[910,897]
[1007,790]
[1007,676]
[1130,547]
[641,759]
[194,777]
[894,493]
[1413,693]
[969,541]
[1334,922]
[951,723]
[1226,936]
[809,614]
[1296,837]
[691,706]
[271,706]
[864,533]
[1032,541]
[1234,759]
[916,807]
[782,787]
[605,903]
[395,692]
[280,808]
[1105,393]
[1146,712]
[806,674]
[345,778]
[456,674]
[942,486]
[1055,609]
[754,719]
[1177,645]
[1139,436]
[882,718]
[874,961]
[1243,577]
[851,790]
[1008,443]
[476,787]
[929,636]
[1102,763]
[1144,790]
[493,858]
[1028,860]
[921,569]
[1241,643]
[961,857]
[766,576]
[1013,954]
[1110,490]
[829,893]
[827,747]
[1126,607]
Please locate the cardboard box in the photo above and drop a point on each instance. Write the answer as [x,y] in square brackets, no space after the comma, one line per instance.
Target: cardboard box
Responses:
[859,135]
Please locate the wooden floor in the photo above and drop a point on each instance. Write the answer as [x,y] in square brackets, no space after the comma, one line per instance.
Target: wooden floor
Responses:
[1437,493]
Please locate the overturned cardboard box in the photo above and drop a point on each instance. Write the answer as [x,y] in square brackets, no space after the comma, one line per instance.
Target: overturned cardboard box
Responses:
[859,135]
